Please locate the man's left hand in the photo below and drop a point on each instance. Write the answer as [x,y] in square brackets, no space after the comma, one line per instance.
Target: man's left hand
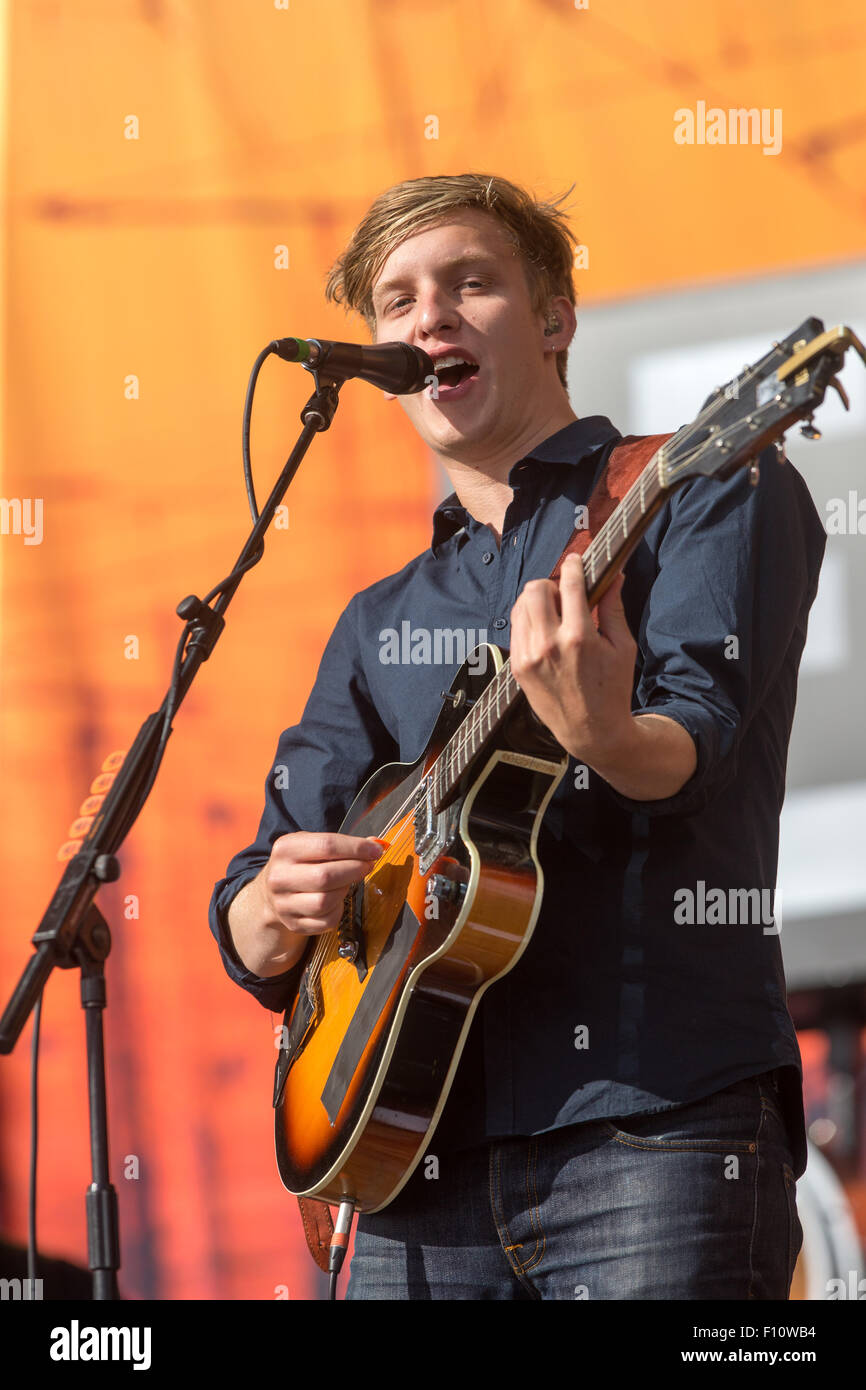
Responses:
[576,676]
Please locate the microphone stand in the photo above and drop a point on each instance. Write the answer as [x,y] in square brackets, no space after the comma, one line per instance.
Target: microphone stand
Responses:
[73,932]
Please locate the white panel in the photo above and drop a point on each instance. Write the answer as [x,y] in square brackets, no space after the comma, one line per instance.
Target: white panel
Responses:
[827,642]
[667,388]
[822,864]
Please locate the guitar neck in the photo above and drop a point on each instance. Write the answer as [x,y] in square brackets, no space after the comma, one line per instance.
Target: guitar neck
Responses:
[603,558]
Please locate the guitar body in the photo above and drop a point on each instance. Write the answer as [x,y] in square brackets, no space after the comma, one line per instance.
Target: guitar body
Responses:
[370,1046]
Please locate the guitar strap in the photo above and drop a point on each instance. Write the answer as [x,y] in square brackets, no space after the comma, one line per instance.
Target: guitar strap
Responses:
[624,466]
[318,1228]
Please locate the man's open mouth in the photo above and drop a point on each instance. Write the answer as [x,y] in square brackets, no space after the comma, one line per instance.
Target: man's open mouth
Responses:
[452,372]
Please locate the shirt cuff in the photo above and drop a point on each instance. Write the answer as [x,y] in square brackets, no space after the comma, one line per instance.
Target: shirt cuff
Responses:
[273,992]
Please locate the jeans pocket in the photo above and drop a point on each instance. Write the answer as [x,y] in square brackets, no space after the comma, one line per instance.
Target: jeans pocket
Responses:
[725,1122]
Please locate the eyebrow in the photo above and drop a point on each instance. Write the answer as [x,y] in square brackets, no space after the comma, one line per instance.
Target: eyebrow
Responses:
[467,258]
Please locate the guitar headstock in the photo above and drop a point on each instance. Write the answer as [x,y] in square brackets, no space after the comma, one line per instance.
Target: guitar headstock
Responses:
[755,409]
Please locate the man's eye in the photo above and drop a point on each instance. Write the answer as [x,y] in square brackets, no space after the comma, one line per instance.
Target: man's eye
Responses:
[396,303]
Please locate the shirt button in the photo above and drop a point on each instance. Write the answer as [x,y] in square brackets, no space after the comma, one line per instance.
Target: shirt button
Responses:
[487,556]
[499,623]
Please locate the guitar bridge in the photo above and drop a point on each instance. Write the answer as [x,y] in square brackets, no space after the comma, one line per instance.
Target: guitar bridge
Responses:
[351,929]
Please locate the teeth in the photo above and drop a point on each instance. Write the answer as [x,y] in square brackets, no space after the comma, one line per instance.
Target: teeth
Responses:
[452,361]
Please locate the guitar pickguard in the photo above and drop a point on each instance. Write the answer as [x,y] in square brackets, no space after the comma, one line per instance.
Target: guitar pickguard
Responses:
[296,1032]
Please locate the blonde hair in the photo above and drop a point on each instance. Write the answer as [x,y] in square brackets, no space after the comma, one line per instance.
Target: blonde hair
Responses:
[537,230]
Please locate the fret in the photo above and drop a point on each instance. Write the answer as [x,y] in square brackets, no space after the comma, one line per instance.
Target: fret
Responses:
[469,738]
[642,486]
[460,745]
[456,754]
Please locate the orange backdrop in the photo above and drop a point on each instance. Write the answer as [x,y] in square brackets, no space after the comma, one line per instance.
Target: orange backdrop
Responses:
[258,125]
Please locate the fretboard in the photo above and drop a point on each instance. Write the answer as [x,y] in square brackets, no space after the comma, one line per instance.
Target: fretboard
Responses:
[603,558]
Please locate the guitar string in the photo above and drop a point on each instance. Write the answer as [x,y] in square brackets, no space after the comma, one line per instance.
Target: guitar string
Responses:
[327,948]
[391,855]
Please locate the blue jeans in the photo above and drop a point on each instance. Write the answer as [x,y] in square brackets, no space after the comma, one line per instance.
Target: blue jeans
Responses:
[698,1202]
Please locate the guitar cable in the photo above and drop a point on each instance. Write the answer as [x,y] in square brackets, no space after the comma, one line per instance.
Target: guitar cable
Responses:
[339,1245]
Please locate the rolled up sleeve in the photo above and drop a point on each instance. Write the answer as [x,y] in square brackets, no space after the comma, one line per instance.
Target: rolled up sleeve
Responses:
[724,623]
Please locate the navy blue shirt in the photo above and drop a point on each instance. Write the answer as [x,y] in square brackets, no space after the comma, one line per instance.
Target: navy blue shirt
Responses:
[654,974]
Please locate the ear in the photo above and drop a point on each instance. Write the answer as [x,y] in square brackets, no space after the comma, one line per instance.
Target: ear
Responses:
[563,311]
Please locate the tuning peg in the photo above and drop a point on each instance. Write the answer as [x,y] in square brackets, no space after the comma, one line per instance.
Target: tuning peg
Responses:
[843,394]
[754,474]
[809,431]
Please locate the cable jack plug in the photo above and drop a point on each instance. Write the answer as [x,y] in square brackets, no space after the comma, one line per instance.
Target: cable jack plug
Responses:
[339,1243]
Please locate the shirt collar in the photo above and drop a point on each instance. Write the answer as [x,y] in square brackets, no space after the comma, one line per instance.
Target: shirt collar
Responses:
[573,444]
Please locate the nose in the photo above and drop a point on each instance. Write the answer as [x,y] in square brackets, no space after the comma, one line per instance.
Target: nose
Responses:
[435,311]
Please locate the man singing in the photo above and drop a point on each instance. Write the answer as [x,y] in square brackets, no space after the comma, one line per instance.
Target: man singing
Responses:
[627,1120]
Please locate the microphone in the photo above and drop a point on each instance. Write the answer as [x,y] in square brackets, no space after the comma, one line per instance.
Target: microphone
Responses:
[397,368]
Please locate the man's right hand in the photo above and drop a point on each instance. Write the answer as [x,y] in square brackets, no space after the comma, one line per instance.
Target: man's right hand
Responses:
[299,893]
